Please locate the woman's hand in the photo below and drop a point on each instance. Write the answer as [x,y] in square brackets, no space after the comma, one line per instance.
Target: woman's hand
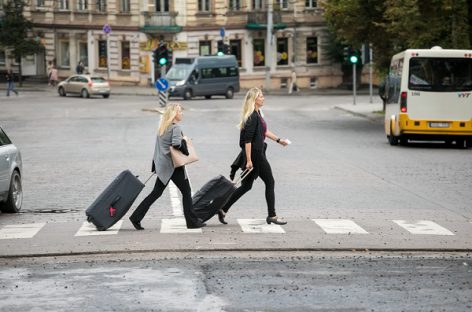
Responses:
[249,164]
[283,142]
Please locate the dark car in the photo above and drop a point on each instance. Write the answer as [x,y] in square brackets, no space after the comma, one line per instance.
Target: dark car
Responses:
[11,191]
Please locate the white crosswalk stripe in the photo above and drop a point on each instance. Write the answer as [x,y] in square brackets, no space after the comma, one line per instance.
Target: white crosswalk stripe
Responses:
[177,225]
[423,227]
[88,229]
[20,230]
[340,226]
[259,226]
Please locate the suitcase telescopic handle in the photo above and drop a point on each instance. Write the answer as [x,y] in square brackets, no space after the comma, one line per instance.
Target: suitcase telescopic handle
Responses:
[243,175]
[149,178]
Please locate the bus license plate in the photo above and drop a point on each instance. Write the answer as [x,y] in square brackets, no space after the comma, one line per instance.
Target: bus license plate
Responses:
[439,125]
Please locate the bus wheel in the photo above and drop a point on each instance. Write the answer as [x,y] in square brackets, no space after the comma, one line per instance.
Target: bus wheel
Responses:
[207,97]
[229,93]
[187,94]
[392,139]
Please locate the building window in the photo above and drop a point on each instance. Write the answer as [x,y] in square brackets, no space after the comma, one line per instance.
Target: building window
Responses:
[102,53]
[234,5]
[101,5]
[235,48]
[82,5]
[2,56]
[162,5]
[259,52]
[282,51]
[204,5]
[64,54]
[40,3]
[124,6]
[205,48]
[258,4]
[312,50]
[63,4]
[310,4]
[83,53]
[125,55]
[283,4]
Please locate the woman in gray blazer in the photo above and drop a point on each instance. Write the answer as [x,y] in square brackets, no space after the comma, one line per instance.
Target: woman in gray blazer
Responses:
[170,134]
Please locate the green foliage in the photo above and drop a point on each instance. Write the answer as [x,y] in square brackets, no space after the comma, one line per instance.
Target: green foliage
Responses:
[16,31]
[395,25]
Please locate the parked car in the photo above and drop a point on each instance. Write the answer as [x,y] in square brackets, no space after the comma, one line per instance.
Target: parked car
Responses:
[85,86]
[11,191]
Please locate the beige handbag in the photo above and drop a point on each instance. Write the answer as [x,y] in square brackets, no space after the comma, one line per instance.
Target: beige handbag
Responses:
[179,159]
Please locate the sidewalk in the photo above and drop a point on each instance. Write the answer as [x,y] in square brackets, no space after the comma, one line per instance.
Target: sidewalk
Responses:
[372,111]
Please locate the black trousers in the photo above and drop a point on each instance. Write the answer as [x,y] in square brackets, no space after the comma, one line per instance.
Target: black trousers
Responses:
[178,177]
[262,167]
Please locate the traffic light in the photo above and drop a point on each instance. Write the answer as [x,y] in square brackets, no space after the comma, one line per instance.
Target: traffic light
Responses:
[170,54]
[354,56]
[161,55]
[226,49]
[220,48]
[346,54]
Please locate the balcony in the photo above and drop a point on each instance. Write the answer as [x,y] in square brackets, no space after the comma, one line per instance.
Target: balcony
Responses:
[258,20]
[160,22]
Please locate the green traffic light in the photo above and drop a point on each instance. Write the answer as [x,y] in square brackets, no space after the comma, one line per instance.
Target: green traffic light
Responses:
[220,53]
[353,59]
[162,61]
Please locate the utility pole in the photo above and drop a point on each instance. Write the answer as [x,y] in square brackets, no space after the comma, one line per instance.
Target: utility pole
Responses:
[371,64]
[268,56]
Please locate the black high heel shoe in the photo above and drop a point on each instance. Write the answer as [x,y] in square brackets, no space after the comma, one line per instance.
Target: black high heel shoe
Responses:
[137,225]
[275,220]
[221,216]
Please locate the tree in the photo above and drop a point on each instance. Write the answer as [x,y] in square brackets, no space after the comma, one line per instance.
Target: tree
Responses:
[394,25]
[16,32]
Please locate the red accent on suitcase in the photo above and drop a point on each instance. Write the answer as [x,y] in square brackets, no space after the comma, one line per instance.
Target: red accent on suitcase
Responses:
[112,212]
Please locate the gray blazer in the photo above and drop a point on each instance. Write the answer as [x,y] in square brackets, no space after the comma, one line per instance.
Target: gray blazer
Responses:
[162,159]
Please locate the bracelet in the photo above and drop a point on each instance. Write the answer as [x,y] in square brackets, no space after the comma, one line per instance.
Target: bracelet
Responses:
[278,140]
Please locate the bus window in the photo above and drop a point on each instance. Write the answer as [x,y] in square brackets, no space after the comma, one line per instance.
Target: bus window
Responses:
[440,74]
[394,81]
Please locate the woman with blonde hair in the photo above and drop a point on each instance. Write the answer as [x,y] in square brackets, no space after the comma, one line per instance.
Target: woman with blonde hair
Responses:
[169,134]
[253,155]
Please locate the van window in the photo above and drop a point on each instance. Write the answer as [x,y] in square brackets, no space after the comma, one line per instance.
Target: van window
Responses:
[219,72]
[440,74]
[4,140]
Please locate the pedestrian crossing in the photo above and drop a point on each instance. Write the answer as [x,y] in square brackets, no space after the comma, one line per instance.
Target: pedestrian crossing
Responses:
[177,225]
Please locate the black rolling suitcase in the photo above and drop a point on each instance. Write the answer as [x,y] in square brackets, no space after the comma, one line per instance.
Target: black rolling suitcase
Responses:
[214,194]
[113,203]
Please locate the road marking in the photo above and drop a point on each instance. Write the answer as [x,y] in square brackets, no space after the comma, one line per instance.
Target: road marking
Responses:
[259,226]
[340,226]
[423,227]
[20,230]
[88,229]
[177,210]
[176,225]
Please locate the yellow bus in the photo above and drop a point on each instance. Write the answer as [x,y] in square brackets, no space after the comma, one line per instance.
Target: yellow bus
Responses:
[429,97]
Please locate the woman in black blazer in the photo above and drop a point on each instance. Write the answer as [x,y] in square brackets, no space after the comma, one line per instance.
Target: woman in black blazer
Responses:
[253,133]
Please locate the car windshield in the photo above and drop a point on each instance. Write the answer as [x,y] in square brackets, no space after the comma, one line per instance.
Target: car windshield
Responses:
[440,74]
[179,72]
[98,79]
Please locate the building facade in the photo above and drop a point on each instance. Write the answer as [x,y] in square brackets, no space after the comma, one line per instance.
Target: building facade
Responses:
[115,38]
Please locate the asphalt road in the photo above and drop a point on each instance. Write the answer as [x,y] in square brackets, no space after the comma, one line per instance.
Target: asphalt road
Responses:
[370,227]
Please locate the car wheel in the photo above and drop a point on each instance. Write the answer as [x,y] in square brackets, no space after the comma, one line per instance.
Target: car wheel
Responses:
[229,93]
[84,93]
[15,195]
[106,96]
[187,94]
[207,97]
[62,92]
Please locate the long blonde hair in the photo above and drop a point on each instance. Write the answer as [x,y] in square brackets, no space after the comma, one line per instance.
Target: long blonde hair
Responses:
[249,105]
[168,117]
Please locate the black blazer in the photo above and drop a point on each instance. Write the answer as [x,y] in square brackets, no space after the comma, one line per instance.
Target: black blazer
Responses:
[253,133]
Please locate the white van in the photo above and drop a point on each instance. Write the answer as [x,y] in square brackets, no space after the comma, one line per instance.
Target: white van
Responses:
[429,96]
[204,76]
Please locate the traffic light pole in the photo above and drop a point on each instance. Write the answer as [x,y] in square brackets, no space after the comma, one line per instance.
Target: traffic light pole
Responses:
[354,83]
